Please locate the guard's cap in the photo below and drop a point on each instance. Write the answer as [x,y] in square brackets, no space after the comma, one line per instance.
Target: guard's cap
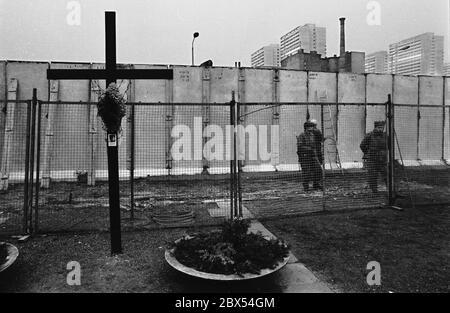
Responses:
[308,124]
[379,123]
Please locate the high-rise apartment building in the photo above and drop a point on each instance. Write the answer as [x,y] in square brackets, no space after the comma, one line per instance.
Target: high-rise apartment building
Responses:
[446,71]
[422,54]
[308,37]
[376,62]
[346,62]
[266,56]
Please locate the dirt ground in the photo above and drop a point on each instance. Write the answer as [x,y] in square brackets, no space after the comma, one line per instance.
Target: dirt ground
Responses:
[77,207]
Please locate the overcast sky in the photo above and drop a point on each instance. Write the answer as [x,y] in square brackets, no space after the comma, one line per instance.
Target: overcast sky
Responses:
[160,31]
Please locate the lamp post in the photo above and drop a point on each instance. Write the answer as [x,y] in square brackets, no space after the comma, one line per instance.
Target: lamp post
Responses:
[194,36]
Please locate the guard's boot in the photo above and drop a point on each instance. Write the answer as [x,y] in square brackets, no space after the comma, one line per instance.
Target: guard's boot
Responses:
[305,187]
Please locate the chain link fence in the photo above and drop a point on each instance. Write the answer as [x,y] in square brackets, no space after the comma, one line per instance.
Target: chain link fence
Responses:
[177,168]
[14,149]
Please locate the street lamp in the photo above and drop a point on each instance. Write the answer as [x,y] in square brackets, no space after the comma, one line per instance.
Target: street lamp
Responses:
[195,36]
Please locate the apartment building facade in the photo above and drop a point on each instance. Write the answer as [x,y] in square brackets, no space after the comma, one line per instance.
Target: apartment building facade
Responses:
[308,37]
[267,56]
[419,55]
[376,62]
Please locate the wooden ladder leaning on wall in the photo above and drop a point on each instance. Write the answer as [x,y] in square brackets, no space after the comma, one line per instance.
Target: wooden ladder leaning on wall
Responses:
[328,127]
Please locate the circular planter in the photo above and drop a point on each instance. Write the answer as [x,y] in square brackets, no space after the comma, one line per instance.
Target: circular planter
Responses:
[13,253]
[170,258]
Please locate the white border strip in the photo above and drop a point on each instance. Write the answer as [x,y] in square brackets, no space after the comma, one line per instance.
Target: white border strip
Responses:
[15,177]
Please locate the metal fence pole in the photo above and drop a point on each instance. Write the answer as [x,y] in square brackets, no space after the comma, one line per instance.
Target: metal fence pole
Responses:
[443,121]
[235,160]
[33,142]
[27,170]
[132,162]
[418,121]
[391,155]
[238,189]
[392,164]
[322,147]
[38,160]
[232,188]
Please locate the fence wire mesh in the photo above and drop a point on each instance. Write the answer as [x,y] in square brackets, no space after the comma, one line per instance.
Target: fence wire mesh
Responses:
[422,141]
[12,167]
[309,170]
[174,162]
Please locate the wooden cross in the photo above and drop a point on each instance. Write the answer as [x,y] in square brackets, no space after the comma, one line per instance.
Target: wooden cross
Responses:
[110,74]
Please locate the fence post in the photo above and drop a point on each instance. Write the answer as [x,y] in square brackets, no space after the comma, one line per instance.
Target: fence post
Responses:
[46,158]
[169,113]
[443,122]
[322,147]
[27,170]
[38,160]
[132,162]
[276,112]
[235,158]
[32,154]
[391,154]
[242,99]
[232,156]
[238,163]
[93,121]
[206,114]
[418,121]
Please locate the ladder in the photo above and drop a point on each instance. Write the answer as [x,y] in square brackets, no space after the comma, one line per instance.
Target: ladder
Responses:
[328,127]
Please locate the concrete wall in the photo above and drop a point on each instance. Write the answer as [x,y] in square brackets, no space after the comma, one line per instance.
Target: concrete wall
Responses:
[426,138]
[29,75]
[258,88]
[149,125]
[293,89]
[69,148]
[222,82]
[406,92]
[377,87]
[322,87]
[351,122]
[431,92]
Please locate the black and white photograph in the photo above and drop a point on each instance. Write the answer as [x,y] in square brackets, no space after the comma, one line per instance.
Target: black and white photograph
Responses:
[223,152]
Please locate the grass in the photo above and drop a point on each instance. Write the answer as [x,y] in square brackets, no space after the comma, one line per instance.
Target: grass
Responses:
[41,266]
[412,247]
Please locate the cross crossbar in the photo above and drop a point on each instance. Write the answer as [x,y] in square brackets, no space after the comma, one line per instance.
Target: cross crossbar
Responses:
[60,74]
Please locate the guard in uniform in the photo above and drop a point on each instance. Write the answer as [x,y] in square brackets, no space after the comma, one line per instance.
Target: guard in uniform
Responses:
[308,158]
[375,155]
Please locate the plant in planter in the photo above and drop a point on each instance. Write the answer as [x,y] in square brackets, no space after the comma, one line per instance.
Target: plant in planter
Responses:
[8,255]
[111,109]
[232,250]
[3,253]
